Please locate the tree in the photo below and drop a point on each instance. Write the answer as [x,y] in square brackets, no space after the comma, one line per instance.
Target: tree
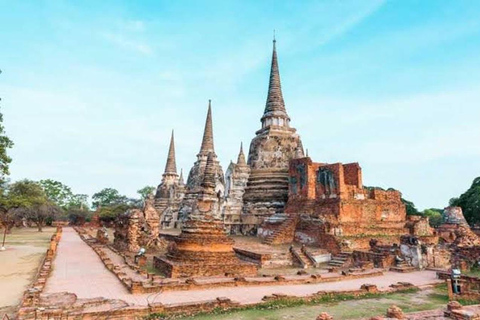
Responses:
[469,201]
[145,191]
[79,201]
[77,216]
[28,200]
[5,144]
[108,197]
[410,207]
[6,218]
[111,203]
[434,216]
[108,214]
[57,192]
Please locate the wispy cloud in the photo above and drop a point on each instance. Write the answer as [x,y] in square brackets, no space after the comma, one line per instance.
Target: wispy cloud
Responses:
[130,44]
[134,25]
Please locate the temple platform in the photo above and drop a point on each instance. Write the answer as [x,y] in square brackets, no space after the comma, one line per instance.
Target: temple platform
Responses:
[232,267]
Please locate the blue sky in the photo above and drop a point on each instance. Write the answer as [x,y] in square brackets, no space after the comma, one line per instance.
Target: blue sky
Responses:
[91,89]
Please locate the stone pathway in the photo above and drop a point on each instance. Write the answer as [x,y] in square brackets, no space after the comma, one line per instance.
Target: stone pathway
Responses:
[79,270]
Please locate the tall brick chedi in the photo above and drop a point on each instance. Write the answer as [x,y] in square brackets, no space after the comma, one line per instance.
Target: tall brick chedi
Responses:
[203,247]
[195,177]
[170,191]
[274,145]
[236,178]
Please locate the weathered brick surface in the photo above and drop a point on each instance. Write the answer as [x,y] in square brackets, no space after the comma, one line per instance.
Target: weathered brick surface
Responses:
[203,249]
[336,212]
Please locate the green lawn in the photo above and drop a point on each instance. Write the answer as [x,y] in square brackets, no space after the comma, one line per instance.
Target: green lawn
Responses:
[351,309]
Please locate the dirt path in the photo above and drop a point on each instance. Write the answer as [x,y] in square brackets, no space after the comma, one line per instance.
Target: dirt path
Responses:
[78,269]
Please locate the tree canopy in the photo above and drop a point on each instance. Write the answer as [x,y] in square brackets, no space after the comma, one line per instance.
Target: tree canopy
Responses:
[110,203]
[27,199]
[62,195]
[469,201]
[145,191]
[5,144]
[108,197]
[434,216]
[410,207]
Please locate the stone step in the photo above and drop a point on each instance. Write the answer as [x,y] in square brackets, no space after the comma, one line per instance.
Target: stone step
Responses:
[303,258]
[340,260]
[402,269]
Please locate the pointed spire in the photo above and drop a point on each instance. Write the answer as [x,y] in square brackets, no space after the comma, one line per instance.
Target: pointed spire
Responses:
[241,156]
[207,142]
[275,103]
[180,179]
[300,146]
[209,174]
[171,166]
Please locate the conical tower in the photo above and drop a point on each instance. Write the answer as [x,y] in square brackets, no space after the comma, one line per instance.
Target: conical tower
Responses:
[274,145]
[196,175]
[169,192]
[241,157]
[171,165]
[275,112]
[207,141]
[180,179]
[236,178]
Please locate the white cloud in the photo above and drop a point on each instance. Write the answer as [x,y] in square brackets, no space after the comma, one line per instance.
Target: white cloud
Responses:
[134,25]
[124,42]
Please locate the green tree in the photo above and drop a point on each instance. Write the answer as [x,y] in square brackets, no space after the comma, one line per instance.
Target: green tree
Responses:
[469,201]
[28,200]
[78,201]
[110,203]
[5,144]
[57,192]
[434,216]
[145,191]
[410,207]
[108,197]
[6,217]
[109,213]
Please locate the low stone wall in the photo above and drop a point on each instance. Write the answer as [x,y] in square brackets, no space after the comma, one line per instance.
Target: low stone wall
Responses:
[258,258]
[379,260]
[31,296]
[224,267]
[99,308]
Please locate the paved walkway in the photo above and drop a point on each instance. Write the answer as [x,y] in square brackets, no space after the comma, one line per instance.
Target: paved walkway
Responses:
[78,269]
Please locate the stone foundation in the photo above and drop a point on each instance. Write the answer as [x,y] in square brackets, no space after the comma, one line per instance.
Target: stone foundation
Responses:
[174,269]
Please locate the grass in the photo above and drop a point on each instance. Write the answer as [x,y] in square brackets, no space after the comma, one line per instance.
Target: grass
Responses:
[345,307]
[474,272]
[341,306]
[28,236]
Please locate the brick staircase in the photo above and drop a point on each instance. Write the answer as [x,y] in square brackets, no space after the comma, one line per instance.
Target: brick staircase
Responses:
[285,233]
[343,259]
[302,258]
[402,266]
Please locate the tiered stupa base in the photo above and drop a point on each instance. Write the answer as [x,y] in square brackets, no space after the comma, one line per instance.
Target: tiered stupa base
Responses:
[203,250]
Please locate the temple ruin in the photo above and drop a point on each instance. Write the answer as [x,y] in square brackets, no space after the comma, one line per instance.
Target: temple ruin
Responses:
[170,191]
[203,248]
[274,145]
[196,175]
